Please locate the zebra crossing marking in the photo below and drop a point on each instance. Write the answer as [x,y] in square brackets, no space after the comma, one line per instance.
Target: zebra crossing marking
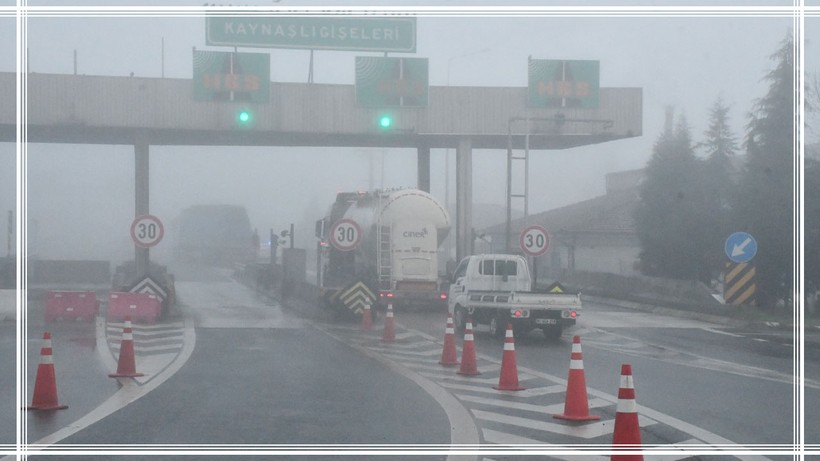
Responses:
[429,353]
[545,409]
[415,357]
[456,377]
[408,360]
[504,438]
[586,431]
[401,346]
[534,392]
[148,350]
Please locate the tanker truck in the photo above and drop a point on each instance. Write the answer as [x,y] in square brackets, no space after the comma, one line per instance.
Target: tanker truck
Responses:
[395,259]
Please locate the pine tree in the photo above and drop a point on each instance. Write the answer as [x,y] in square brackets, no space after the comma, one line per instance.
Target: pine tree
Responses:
[764,205]
[718,182]
[670,201]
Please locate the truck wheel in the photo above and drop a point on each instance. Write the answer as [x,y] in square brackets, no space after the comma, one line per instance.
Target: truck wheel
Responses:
[460,319]
[496,329]
[552,333]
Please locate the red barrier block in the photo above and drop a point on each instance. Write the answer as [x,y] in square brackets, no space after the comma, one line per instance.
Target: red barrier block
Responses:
[139,306]
[71,305]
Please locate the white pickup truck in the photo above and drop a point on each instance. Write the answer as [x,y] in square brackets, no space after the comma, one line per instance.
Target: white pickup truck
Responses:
[494,289]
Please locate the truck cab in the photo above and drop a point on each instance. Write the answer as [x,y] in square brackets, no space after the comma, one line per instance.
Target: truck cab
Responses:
[496,289]
[491,272]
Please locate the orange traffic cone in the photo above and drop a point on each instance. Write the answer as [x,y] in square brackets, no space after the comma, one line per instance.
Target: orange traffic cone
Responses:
[508,381]
[126,366]
[367,318]
[627,431]
[449,355]
[576,405]
[468,360]
[45,385]
[389,334]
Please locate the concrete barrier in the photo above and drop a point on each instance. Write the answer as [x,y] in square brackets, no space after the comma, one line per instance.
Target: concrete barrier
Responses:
[71,305]
[141,307]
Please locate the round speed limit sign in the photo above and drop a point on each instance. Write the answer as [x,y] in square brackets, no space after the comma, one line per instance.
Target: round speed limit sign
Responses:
[146,231]
[535,241]
[345,235]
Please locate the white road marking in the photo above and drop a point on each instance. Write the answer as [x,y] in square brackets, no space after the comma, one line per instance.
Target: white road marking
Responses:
[397,346]
[489,390]
[456,377]
[115,348]
[545,409]
[586,431]
[429,353]
[452,370]
[463,430]
[131,388]
[408,360]
[721,332]
[512,439]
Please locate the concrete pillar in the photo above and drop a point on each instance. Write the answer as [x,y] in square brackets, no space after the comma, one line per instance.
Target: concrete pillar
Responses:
[464,198]
[424,168]
[141,201]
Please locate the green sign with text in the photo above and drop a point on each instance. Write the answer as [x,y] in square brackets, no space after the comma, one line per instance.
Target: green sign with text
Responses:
[391,82]
[554,83]
[319,33]
[225,76]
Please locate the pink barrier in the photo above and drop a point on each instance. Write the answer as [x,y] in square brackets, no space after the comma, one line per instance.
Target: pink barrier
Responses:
[71,305]
[139,306]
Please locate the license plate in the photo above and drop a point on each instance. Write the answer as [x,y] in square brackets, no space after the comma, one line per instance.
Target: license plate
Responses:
[546,321]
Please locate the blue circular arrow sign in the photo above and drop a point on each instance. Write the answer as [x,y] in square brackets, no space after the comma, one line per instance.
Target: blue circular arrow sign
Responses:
[741,247]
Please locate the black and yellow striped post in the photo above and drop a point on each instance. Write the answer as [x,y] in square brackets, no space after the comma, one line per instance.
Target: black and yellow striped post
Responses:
[739,284]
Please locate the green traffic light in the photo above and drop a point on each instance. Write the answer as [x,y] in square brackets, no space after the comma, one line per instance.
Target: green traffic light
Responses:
[385,121]
[244,117]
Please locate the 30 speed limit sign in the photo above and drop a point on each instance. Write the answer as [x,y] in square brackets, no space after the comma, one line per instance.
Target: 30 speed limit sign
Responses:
[345,235]
[535,241]
[146,231]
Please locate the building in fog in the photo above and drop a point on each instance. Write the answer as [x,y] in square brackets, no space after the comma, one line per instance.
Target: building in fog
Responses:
[596,235]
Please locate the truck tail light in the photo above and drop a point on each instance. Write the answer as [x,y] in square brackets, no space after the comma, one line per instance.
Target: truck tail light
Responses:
[443,296]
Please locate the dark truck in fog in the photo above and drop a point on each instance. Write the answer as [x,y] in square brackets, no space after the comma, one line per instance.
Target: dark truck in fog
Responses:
[214,234]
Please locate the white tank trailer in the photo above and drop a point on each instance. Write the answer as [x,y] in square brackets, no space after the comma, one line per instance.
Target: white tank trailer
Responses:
[397,256]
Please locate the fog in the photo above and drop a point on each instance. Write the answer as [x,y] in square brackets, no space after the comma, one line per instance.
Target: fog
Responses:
[80,199]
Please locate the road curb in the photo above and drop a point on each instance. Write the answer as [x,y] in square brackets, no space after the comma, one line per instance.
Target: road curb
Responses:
[711,318]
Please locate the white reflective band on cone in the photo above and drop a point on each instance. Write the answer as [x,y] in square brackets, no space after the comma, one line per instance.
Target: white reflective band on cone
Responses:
[509,346]
[47,359]
[627,406]
[626,382]
[576,364]
[468,337]
[449,331]
[576,347]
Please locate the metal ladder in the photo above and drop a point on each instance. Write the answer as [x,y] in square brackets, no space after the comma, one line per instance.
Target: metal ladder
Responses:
[384,256]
